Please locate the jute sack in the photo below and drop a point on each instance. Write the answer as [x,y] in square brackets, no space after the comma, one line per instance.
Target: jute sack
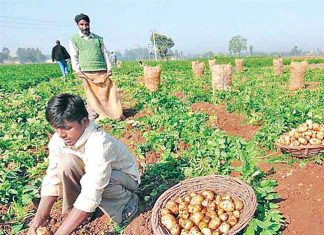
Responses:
[152,77]
[297,73]
[198,68]
[221,76]
[239,65]
[211,63]
[277,66]
[119,64]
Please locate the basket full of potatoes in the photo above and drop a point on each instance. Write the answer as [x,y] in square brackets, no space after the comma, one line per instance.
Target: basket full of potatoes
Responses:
[208,205]
[304,141]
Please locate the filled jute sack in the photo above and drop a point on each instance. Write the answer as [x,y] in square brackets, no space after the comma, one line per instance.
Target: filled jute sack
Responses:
[119,64]
[198,68]
[239,65]
[152,77]
[297,73]
[211,63]
[221,76]
[277,66]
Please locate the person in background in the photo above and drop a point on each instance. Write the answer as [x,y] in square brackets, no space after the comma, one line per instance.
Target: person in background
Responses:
[113,59]
[60,55]
[87,167]
[90,61]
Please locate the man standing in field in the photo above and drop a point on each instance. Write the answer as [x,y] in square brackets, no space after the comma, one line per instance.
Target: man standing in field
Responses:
[90,61]
[60,55]
[87,168]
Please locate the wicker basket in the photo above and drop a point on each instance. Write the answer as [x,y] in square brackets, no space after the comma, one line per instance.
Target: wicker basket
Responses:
[217,183]
[302,151]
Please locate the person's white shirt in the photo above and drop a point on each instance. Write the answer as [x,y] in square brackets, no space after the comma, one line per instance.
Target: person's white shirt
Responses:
[100,153]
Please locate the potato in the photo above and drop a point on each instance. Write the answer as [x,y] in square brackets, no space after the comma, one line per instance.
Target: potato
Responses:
[173,207]
[204,210]
[206,231]
[308,133]
[188,224]
[295,143]
[316,127]
[315,142]
[232,220]
[206,219]
[309,122]
[168,221]
[195,231]
[179,200]
[192,194]
[297,135]
[184,214]
[205,202]
[42,231]
[187,199]
[182,222]
[223,217]
[220,211]
[302,140]
[194,208]
[208,194]
[212,206]
[184,232]
[301,128]
[227,205]
[183,206]
[320,135]
[227,197]
[211,214]
[236,213]
[197,217]
[224,227]
[175,230]
[197,200]
[165,211]
[214,223]
[215,233]
[238,204]
[202,224]
[218,199]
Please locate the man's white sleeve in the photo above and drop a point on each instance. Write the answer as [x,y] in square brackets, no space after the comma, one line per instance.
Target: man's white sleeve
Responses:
[74,57]
[106,55]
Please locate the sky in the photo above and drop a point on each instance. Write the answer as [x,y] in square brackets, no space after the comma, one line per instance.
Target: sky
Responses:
[195,26]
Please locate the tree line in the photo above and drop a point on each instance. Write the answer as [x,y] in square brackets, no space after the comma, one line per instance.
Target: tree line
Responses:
[23,55]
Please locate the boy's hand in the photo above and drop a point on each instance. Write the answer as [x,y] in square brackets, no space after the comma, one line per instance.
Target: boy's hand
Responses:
[32,230]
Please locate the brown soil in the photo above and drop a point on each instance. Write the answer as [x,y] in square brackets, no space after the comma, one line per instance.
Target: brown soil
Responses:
[302,196]
[180,95]
[140,225]
[231,123]
[152,157]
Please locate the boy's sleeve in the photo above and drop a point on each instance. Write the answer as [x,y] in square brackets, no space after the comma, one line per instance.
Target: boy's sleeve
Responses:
[51,185]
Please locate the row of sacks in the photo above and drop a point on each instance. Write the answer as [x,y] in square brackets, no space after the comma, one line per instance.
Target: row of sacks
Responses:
[222,74]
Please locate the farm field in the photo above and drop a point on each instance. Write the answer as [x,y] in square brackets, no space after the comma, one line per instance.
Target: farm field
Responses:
[181,131]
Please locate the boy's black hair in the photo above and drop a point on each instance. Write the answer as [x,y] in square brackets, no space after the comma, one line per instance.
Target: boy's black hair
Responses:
[65,107]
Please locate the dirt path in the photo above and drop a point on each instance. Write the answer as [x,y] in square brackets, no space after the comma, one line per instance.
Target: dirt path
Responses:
[231,123]
[302,196]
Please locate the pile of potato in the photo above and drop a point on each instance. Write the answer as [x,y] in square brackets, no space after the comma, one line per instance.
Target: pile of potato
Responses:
[204,213]
[308,133]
